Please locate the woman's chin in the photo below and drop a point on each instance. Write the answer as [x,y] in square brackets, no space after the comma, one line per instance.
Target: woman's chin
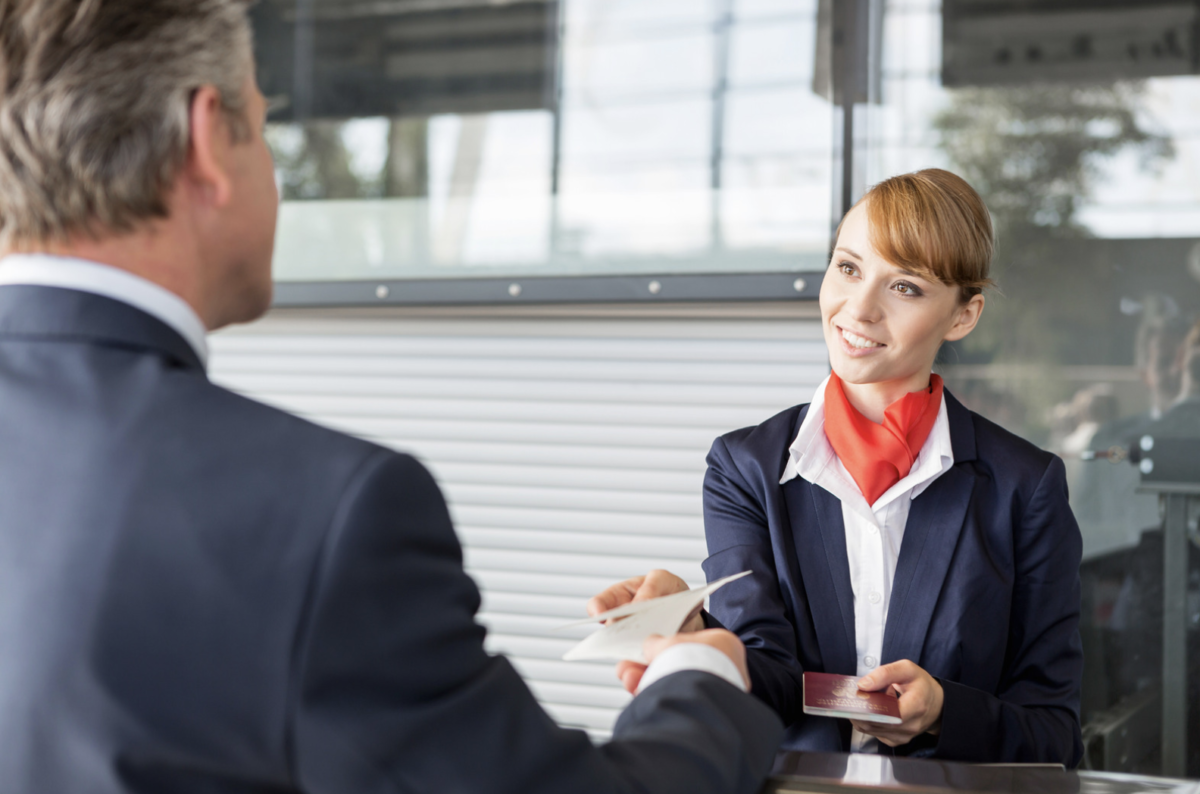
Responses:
[858,372]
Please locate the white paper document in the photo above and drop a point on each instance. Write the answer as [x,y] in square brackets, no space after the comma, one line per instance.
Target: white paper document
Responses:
[623,639]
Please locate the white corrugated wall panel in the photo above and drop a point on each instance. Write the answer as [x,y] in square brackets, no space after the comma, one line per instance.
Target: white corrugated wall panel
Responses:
[570,448]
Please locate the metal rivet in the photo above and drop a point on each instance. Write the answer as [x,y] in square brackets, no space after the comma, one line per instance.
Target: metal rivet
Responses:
[799,285]
[655,287]
[381,291]
[514,289]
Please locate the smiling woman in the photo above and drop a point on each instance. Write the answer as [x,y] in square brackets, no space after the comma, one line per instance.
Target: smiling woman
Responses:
[892,533]
[907,274]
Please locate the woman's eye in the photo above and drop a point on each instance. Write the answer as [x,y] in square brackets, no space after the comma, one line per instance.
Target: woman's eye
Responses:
[847,268]
[904,288]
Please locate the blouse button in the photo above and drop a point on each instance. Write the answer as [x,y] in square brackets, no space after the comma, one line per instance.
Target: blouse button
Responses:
[870,661]
[874,598]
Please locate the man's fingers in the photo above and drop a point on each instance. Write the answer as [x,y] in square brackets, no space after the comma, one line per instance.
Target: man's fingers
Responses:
[724,641]
[630,674]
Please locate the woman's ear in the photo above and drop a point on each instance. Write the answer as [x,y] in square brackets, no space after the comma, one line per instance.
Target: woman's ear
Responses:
[967,319]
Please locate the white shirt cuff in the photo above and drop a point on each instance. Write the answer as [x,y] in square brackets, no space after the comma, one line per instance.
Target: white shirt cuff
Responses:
[692,656]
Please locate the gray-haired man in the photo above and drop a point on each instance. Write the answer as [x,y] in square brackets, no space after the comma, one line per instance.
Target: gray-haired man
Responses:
[200,593]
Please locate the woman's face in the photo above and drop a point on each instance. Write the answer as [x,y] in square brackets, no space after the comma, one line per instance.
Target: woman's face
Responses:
[884,325]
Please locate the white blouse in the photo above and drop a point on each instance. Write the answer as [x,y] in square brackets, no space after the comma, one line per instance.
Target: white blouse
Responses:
[873,532]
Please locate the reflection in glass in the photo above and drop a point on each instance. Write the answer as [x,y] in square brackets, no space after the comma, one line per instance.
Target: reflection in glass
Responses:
[1077,121]
[458,138]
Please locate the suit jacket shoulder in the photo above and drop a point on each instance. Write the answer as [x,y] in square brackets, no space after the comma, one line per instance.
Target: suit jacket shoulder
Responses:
[203,592]
[1004,456]
[758,453]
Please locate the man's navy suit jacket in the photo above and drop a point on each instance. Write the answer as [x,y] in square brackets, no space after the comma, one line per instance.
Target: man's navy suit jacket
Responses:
[199,593]
[985,596]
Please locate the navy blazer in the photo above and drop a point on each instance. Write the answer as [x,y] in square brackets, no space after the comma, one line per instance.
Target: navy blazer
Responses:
[985,596]
[200,593]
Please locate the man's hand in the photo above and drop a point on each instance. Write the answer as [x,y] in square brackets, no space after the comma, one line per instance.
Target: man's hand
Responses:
[921,698]
[724,641]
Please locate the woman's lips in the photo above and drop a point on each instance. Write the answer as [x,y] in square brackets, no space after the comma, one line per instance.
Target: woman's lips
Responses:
[857,345]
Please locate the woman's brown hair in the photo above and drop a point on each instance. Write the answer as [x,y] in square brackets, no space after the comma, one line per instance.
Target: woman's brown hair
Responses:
[932,223]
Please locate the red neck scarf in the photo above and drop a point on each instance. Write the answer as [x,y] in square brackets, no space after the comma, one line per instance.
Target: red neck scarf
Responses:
[879,456]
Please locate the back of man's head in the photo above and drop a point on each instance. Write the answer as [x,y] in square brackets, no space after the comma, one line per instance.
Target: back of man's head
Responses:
[94,104]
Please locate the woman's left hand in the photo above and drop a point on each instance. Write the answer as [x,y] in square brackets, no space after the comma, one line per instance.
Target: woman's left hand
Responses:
[920,702]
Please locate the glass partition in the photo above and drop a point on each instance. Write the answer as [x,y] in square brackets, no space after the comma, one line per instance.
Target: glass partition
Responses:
[1079,123]
[467,138]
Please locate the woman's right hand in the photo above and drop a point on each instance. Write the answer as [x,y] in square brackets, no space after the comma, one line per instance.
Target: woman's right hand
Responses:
[640,588]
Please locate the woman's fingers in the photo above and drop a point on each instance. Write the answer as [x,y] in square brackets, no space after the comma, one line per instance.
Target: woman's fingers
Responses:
[612,597]
[659,583]
[921,699]
[694,622]
[654,584]
[884,733]
[899,673]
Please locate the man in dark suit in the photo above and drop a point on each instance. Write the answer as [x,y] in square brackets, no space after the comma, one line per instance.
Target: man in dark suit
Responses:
[201,593]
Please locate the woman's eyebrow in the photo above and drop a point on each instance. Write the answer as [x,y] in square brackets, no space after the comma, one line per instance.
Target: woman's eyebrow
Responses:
[847,251]
[902,273]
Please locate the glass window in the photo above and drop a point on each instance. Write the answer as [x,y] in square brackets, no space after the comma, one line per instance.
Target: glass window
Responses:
[1079,123]
[466,138]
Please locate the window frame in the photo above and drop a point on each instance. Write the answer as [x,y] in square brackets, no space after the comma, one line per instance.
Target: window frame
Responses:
[849,66]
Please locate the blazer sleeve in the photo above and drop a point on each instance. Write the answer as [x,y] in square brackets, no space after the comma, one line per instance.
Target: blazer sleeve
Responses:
[735,526]
[1034,714]
[393,690]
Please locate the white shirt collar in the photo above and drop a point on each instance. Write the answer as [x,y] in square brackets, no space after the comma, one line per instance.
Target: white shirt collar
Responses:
[46,270]
[811,457]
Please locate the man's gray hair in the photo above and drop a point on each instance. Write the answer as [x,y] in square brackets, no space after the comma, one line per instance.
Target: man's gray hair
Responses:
[94,107]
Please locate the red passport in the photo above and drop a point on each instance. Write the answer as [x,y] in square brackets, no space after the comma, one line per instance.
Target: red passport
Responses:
[829,695]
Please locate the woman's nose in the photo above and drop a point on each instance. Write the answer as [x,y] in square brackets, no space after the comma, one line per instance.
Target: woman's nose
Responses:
[864,305]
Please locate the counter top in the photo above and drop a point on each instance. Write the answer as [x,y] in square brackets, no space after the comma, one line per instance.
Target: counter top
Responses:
[837,773]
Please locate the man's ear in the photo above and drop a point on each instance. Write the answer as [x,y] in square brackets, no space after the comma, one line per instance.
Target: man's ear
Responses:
[968,318]
[209,160]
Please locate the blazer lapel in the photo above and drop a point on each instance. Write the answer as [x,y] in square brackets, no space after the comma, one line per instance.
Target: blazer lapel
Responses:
[820,534]
[935,521]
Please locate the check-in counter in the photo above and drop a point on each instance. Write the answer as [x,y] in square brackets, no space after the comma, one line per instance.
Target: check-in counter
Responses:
[841,773]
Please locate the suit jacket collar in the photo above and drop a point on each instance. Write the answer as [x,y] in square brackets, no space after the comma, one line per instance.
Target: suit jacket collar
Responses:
[820,536]
[36,312]
[962,429]
[935,522]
